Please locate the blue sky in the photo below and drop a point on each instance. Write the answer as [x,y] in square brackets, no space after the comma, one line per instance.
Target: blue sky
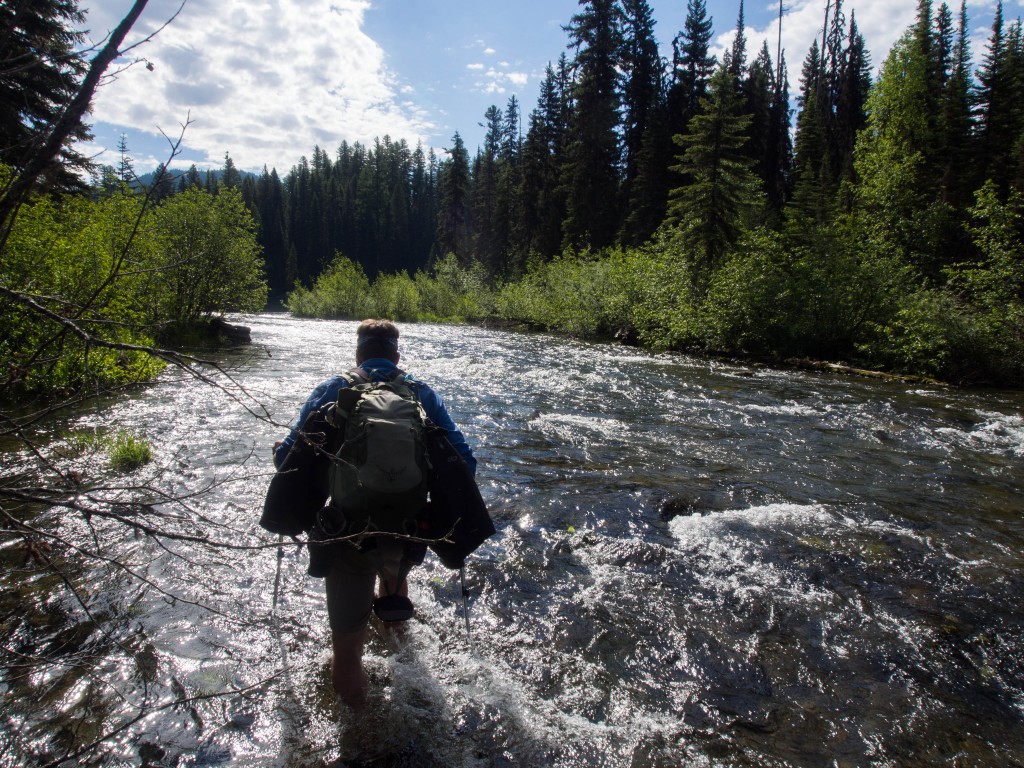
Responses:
[267,80]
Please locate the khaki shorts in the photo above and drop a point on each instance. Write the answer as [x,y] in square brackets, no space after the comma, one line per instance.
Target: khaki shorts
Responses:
[352,578]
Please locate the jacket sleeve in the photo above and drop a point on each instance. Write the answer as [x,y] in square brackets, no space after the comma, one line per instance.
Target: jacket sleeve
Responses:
[325,392]
[437,412]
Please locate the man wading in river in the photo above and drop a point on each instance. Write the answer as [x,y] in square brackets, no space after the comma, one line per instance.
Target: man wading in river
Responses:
[356,439]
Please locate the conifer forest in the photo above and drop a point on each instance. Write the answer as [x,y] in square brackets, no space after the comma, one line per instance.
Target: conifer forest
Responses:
[874,217]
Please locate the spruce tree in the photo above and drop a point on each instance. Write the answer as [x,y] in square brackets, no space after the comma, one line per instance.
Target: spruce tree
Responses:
[999,105]
[779,150]
[689,74]
[541,193]
[272,235]
[40,70]
[453,206]
[758,90]
[642,87]
[811,203]
[125,164]
[485,192]
[508,235]
[590,171]
[692,66]
[423,204]
[851,98]
[738,51]
[708,213]
[229,175]
[956,123]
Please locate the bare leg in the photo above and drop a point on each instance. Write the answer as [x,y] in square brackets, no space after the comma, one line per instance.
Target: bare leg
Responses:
[387,587]
[347,674]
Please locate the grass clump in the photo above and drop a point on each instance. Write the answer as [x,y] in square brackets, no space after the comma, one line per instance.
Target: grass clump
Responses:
[128,452]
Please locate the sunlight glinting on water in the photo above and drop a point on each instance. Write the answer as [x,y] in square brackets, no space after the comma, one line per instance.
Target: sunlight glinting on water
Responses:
[696,564]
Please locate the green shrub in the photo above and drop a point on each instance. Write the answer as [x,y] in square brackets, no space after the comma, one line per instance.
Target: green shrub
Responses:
[82,261]
[342,292]
[128,452]
[453,292]
[395,297]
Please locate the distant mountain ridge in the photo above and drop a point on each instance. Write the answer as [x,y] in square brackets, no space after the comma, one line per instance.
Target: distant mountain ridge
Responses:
[147,179]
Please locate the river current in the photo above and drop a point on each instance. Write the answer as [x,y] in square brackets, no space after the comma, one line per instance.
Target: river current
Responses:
[696,564]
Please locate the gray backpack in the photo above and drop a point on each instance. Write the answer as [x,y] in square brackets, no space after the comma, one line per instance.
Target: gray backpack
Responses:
[379,476]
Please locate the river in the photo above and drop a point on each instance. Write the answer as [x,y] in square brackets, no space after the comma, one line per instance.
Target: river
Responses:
[697,564]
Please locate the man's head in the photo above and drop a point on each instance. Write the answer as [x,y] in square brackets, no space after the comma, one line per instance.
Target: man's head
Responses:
[377,338]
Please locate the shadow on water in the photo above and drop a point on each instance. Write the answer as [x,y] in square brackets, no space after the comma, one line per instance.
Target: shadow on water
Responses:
[696,565]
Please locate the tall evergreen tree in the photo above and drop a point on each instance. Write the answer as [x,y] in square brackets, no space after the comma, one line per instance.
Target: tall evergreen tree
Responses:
[758,90]
[692,66]
[779,150]
[738,51]
[691,69]
[956,124]
[272,235]
[163,183]
[212,182]
[709,212]
[541,194]
[852,91]
[484,194]
[642,87]
[590,172]
[125,164]
[423,204]
[999,105]
[508,234]
[453,222]
[811,204]
[40,70]
[229,175]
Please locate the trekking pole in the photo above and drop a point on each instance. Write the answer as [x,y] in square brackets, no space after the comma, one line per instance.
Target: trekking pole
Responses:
[465,606]
[277,576]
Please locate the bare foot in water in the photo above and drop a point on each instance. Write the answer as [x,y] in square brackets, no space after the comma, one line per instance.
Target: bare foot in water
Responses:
[352,686]
[349,678]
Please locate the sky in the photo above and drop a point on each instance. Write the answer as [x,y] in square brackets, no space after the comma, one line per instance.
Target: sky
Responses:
[266,81]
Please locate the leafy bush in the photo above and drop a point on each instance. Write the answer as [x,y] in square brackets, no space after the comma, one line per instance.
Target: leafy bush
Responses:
[76,267]
[395,297]
[750,303]
[616,292]
[342,292]
[454,292]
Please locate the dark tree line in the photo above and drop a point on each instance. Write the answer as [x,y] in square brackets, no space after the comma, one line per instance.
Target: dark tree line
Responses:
[376,205]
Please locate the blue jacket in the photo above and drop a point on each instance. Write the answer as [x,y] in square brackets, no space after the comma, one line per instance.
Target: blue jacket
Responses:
[381,369]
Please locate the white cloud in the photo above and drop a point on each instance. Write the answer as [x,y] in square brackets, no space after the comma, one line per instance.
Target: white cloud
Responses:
[265,80]
[501,82]
[475,66]
[880,22]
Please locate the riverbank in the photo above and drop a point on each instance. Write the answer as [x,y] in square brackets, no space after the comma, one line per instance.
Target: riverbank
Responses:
[646,297]
[629,338]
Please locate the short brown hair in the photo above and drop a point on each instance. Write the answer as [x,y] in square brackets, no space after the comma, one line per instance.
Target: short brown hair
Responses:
[377,338]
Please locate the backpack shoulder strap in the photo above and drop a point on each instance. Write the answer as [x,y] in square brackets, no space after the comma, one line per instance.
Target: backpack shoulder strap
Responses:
[356,376]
